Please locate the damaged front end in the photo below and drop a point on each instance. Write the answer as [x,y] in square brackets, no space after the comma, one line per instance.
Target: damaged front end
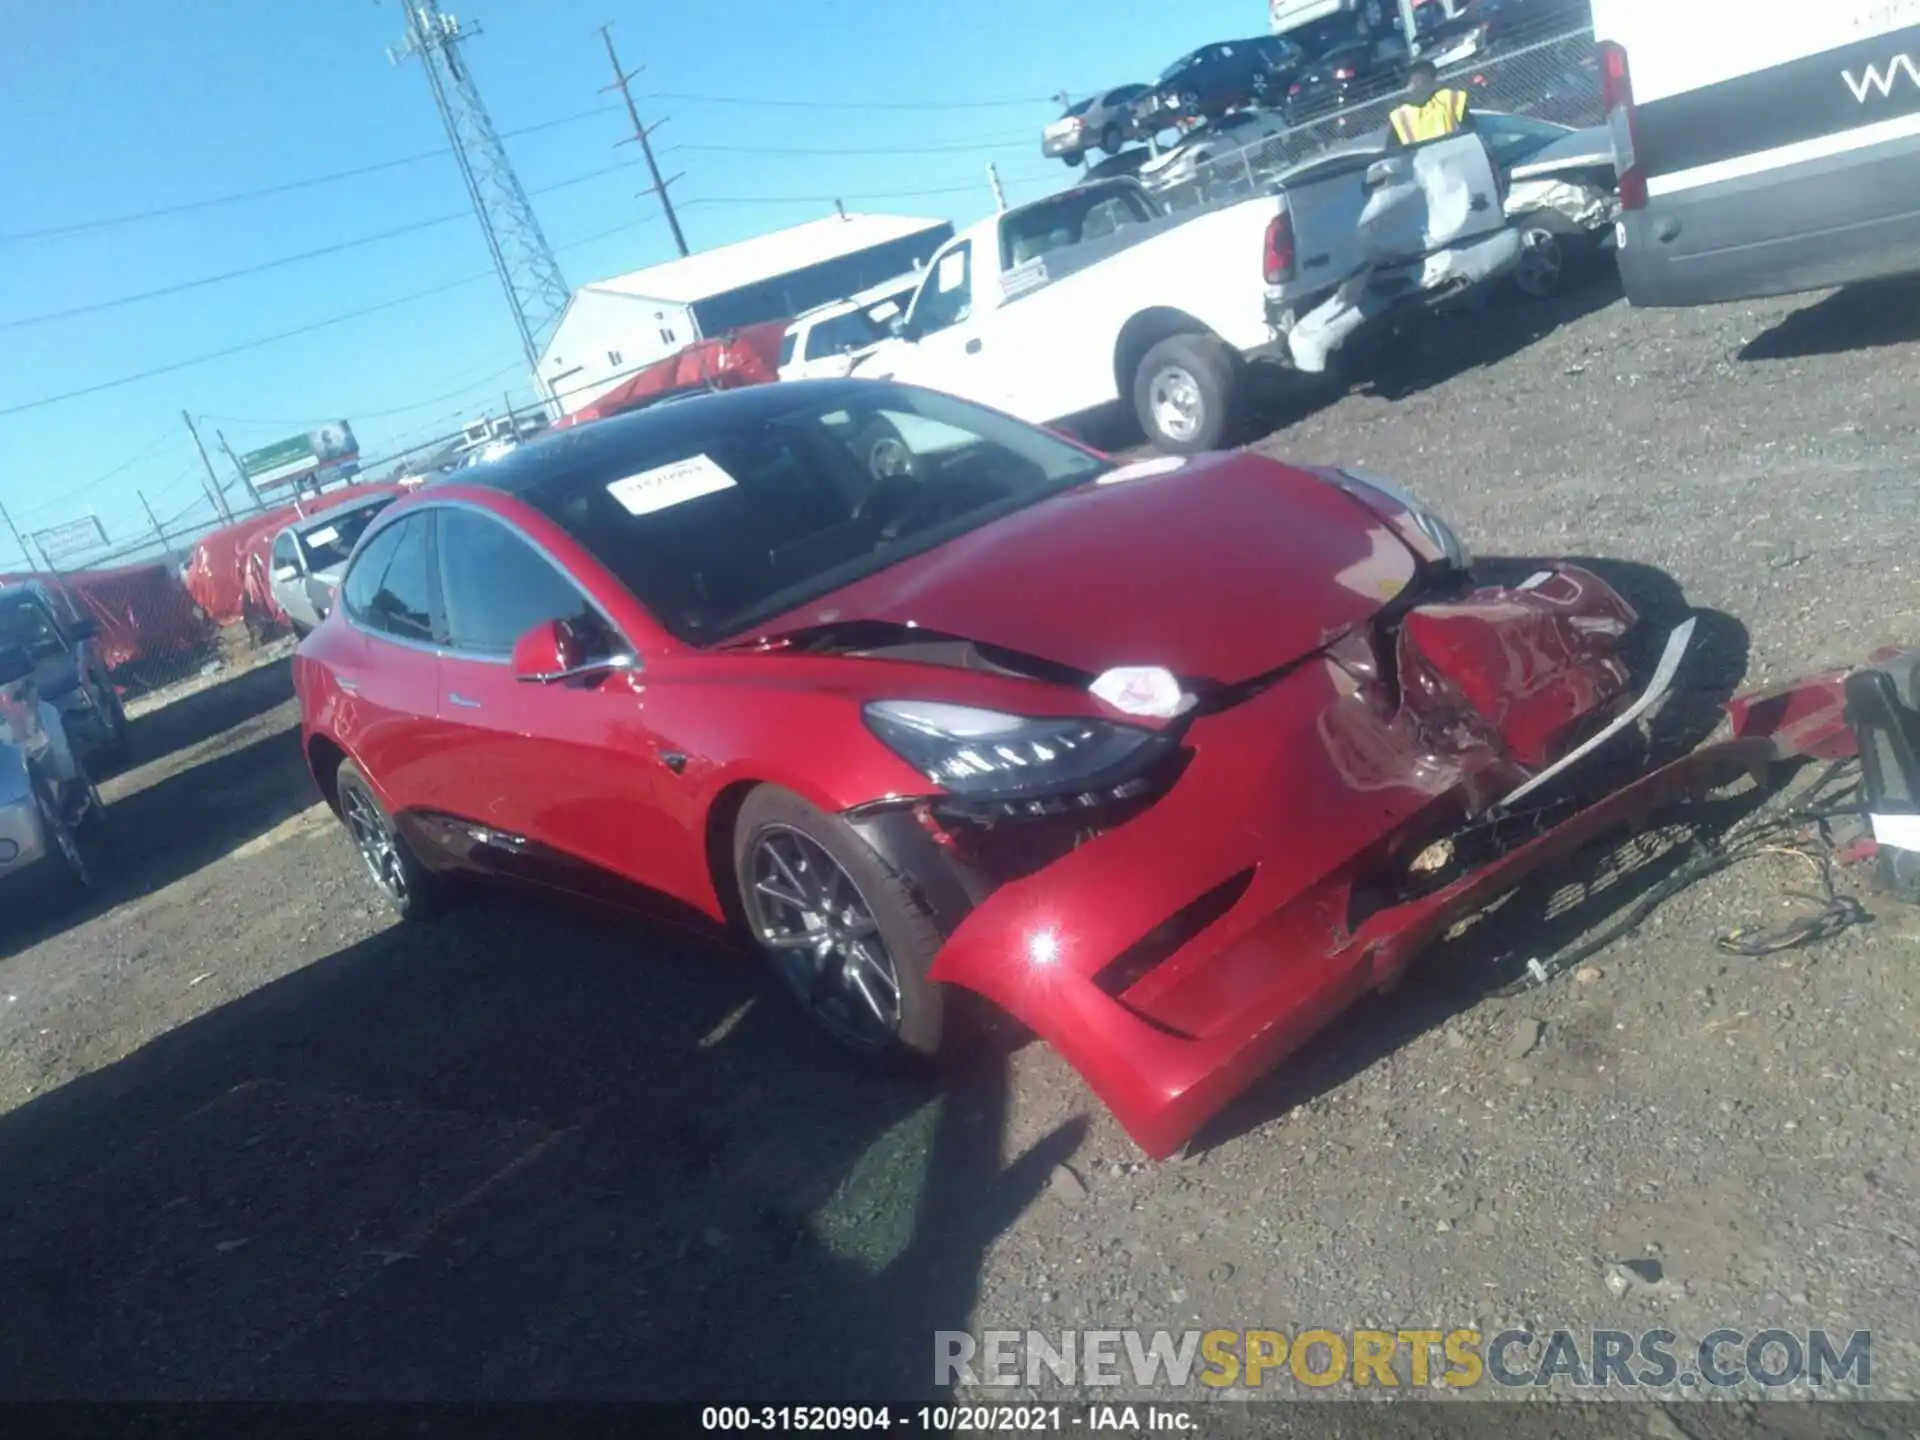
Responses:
[1304,837]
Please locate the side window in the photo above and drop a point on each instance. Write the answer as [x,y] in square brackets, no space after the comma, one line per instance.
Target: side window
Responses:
[284,554]
[948,299]
[390,588]
[497,587]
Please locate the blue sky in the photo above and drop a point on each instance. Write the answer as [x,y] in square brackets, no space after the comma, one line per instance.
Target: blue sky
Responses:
[117,107]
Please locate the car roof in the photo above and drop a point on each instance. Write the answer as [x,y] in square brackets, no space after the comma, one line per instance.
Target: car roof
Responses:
[658,427]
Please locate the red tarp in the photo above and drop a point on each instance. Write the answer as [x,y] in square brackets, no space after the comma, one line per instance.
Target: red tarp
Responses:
[749,356]
[227,573]
[143,611]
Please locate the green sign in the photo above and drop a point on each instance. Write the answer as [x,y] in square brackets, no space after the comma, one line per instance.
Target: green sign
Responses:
[292,459]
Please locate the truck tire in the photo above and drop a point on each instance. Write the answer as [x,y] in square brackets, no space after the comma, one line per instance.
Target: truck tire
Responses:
[1183,393]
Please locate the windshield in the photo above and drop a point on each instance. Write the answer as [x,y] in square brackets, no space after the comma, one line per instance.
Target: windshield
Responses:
[720,515]
[23,622]
[329,543]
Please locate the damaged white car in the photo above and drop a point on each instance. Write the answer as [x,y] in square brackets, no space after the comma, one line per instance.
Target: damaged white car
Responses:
[1558,186]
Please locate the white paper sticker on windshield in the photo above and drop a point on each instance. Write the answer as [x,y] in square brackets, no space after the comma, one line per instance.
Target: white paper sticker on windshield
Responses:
[668,485]
[953,271]
[325,535]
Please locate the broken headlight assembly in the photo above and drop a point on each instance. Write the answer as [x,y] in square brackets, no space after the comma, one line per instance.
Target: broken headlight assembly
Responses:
[1435,530]
[992,763]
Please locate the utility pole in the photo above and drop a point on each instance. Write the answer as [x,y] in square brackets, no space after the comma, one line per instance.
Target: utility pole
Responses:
[241,471]
[214,492]
[18,538]
[621,79]
[159,529]
[993,179]
[1409,27]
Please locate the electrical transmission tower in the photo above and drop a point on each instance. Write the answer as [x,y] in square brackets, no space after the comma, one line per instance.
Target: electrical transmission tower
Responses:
[524,261]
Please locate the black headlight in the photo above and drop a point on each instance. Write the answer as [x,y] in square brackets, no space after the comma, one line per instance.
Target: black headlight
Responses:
[1020,765]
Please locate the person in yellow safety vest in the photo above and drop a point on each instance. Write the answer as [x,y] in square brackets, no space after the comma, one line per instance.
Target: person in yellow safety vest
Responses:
[1431,112]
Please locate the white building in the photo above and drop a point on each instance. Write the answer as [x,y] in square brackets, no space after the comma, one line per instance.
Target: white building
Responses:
[614,327]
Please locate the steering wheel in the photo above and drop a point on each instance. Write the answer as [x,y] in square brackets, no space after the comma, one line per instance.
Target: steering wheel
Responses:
[893,501]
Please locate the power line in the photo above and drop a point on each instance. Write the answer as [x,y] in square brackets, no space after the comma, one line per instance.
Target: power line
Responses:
[286,187]
[241,272]
[845,104]
[869,195]
[377,237]
[1011,143]
[95,484]
[359,415]
[275,339]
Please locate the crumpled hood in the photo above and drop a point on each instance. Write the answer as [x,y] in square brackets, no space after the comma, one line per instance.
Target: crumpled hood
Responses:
[1220,568]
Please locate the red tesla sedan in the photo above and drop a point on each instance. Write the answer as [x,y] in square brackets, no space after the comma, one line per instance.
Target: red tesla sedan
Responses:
[1170,760]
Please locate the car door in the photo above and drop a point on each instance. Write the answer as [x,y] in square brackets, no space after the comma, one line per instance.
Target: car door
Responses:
[287,578]
[557,780]
[386,663]
[950,351]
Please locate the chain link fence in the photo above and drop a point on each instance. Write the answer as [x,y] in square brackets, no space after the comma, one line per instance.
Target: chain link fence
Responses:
[1549,76]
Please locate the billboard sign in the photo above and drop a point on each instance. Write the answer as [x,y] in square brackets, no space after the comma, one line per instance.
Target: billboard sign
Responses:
[290,461]
[76,537]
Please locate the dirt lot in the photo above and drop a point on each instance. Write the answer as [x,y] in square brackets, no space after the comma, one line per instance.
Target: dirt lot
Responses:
[256,1141]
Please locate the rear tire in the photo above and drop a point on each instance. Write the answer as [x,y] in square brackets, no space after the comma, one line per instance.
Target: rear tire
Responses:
[1554,254]
[802,873]
[1183,393]
[411,890]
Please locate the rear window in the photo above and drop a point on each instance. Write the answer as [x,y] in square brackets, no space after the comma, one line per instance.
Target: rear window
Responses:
[1070,219]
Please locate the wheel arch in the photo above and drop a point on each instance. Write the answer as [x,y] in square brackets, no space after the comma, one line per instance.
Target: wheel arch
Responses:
[324,758]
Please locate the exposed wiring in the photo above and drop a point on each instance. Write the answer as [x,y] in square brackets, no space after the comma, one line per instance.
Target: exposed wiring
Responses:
[1764,832]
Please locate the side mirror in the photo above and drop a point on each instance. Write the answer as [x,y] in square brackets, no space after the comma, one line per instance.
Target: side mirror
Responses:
[897,326]
[83,629]
[553,652]
[286,572]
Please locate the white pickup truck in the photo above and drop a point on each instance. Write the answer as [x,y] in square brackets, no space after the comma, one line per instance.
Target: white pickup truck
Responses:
[1093,296]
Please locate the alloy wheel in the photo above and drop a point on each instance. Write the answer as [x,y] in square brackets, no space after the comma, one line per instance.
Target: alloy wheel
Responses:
[1173,396]
[810,915]
[1542,263]
[373,837]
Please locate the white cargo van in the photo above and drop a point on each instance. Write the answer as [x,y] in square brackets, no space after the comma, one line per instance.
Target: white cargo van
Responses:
[1762,151]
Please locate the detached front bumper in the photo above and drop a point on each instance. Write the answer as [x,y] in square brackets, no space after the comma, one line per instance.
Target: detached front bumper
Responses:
[1180,956]
[1387,295]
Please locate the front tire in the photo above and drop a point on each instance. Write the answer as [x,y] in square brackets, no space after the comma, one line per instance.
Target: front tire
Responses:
[842,932]
[411,890]
[1183,393]
[113,720]
[1111,140]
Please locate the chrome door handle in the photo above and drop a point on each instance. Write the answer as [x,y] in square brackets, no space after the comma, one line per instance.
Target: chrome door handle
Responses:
[462,701]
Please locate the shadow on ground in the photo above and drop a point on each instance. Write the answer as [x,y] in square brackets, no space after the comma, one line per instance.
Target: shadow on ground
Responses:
[508,1156]
[1445,345]
[197,717]
[1563,903]
[1860,317]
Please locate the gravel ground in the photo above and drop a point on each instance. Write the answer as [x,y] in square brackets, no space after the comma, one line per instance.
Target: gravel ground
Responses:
[255,1141]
